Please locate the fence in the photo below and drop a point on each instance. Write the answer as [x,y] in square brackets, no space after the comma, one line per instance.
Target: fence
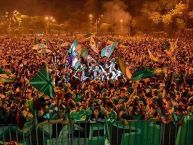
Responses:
[100,133]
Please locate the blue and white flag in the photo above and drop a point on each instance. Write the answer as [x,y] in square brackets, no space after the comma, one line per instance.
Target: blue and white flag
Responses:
[74,62]
[73,47]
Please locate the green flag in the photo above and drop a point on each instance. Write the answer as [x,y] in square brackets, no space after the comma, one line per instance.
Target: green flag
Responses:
[145,73]
[42,82]
[73,47]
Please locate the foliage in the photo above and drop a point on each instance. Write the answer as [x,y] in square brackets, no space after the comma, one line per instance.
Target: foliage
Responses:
[166,15]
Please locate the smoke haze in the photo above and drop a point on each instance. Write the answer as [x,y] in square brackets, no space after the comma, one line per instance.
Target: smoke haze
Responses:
[115,12]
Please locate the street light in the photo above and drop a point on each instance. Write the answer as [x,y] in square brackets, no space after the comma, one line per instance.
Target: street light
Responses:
[98,20]
[48,21]
[49,18]
[91,21]
[121,22]
[46,18]
[91,16]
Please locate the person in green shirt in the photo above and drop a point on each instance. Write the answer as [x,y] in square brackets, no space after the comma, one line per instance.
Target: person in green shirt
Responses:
[111,115]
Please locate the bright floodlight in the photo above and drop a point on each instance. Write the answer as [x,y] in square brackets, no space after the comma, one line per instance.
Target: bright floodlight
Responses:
[90,16]
[46,18]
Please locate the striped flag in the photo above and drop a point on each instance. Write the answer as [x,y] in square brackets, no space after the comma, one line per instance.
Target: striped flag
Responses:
[108,50]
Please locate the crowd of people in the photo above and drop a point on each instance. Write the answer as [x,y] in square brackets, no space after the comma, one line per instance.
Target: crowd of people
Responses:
[100,90]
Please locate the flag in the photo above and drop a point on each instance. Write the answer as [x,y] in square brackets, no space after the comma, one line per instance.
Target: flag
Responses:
[145,73]
[73,47]
[174,45]
[42,82]
[152,57]
[44,51]
[124,69]
[74,62]
[77,48]
[84,52]
[90,59]
[171,47]
[108,50]
[41,48]
[81,51]
[93,45]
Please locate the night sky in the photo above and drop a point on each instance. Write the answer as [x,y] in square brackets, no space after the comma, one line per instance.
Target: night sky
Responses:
[59,8]
[64,9]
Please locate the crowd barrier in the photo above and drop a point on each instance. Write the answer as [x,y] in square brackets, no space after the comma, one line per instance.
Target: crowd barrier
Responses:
[100,133]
